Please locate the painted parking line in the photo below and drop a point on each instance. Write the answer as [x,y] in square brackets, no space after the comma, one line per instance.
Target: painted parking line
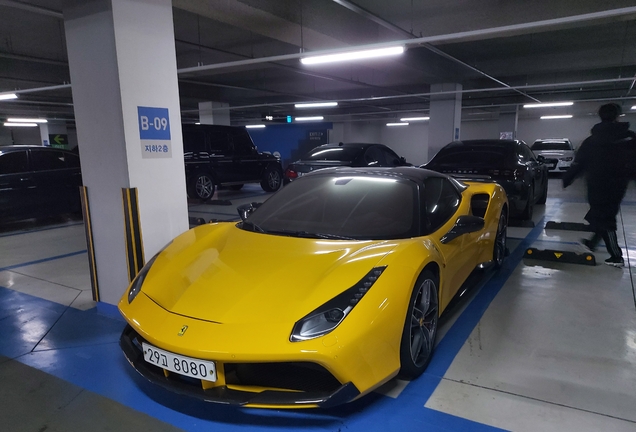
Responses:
[77,363]
[53,258]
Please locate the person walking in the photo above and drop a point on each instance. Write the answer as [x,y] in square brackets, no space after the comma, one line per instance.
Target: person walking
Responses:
[604,159]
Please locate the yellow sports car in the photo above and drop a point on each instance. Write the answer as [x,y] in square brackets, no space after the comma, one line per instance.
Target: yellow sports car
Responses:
[327,290]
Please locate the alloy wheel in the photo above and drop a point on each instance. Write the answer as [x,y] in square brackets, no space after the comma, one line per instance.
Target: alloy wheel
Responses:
[424,323]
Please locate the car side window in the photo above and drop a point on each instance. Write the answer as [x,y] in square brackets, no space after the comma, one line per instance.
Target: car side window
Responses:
[194,141]
[46,160]
[374,156]
[219,142]
[440,202]
[242,143]
[72,160]
[525,154]
[392,159]
[13,162]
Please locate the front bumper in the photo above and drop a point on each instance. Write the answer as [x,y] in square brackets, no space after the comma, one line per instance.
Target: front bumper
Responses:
[130,343]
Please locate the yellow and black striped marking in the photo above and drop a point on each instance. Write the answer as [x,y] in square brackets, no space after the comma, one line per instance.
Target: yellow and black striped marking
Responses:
[90,245]
[134,243]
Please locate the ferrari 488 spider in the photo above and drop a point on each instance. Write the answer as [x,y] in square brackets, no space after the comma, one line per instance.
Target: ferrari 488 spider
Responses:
[327,290]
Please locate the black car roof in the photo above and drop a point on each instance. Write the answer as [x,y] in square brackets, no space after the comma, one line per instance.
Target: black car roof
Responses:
[10,148]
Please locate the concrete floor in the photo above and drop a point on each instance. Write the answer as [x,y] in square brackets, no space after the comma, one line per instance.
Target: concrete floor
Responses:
[538,346]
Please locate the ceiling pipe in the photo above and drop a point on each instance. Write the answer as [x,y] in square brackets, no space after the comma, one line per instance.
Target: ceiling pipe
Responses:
[425,40]
[31,8]
[450,92]
[41,89]
[386,24]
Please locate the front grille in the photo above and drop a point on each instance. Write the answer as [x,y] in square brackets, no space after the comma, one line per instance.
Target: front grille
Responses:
[301,376]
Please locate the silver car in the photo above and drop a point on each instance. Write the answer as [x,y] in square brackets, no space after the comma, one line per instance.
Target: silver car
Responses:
[558,152]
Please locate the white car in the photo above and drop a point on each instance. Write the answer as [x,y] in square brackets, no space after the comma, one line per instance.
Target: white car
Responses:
[558,152]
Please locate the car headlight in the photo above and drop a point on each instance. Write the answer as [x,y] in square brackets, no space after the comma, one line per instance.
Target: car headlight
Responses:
[135,286]
[567,159]
[328,316]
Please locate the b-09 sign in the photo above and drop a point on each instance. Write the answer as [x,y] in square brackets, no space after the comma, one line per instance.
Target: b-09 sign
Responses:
[154,132]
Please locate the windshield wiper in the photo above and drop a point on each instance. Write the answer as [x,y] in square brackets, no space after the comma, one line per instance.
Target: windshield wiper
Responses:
[307,234]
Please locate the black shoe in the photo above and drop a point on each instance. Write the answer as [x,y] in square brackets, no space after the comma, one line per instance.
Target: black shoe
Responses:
[588,245]
[615,261]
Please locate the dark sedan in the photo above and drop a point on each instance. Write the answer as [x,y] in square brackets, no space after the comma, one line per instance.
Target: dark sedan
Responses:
[343,154]
[510,163]
[38,181]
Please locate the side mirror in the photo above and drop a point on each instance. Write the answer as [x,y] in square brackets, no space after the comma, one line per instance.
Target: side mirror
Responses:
[244,210]
[403,161]
[465,224]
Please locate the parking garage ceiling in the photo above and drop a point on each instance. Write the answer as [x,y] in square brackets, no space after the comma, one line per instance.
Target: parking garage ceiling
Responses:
[246,53]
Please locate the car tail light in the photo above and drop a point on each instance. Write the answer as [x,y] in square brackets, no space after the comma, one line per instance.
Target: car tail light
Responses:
[291,174]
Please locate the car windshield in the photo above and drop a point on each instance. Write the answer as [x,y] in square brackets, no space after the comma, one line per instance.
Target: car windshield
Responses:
[339,207]
[551,145]
[491,156]
[340,154]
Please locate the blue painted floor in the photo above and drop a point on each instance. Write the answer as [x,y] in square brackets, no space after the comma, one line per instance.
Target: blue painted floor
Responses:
[81,347]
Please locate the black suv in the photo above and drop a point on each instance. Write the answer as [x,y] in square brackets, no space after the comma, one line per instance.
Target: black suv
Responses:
[218,155]
[38,181]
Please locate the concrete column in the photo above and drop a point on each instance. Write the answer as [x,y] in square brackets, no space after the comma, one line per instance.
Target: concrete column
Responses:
[44,134]
[508,125]
[125,94]
[446,116]
[214,113]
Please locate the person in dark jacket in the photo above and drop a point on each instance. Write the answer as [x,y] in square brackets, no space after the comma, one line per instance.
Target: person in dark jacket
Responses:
[605,159]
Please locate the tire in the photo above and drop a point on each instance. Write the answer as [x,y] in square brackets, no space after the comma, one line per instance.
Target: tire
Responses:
[529,210]
[500,247]
[236,187]
[420,327]
[202,186]
[272,179]
[544,194]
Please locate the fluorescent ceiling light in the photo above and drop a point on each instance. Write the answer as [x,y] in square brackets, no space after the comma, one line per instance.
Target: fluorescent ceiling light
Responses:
[397,124]
[554,117]
[255,126]
[548,104]
[26,120]
[8,96]
[406,119]
[314,118]
[353,55]
[316,105]
[9,124]
[634,107]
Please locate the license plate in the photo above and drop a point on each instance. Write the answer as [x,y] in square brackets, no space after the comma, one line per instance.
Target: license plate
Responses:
[182,365]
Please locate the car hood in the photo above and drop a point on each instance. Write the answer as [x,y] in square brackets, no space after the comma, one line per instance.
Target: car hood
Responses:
[224,274]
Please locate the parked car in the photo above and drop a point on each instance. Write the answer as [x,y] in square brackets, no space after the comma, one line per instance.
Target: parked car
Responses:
[217,155]
[324,292]
[38,181]
[510,163]
[343,154]
[558,152]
